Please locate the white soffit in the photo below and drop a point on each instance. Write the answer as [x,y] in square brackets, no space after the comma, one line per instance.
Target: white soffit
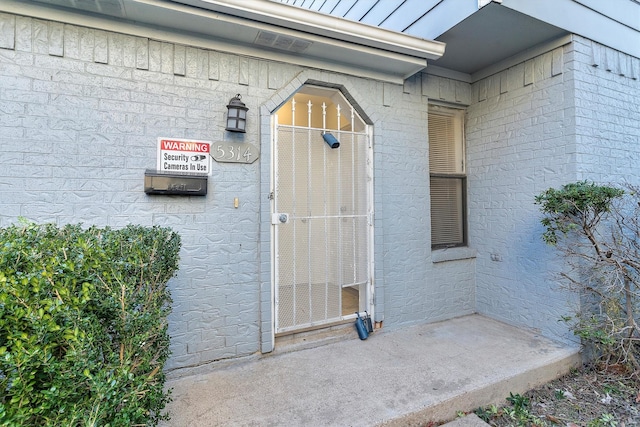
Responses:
[253,28]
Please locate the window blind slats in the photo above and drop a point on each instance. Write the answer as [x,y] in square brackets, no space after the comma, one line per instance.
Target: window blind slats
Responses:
[447,192]
[441,151]
[446,211]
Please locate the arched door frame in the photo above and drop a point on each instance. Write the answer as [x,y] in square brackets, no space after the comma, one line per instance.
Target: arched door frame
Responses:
[267,308]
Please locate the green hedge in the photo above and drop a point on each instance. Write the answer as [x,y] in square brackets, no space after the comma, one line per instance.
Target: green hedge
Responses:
[83,324]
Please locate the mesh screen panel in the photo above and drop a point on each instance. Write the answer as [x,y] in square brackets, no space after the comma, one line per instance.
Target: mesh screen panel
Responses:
[323,247]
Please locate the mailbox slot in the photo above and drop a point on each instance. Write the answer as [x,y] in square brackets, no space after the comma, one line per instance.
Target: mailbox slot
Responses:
[174,183]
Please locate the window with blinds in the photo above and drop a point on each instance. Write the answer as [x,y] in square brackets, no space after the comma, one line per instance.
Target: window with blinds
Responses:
[448,179]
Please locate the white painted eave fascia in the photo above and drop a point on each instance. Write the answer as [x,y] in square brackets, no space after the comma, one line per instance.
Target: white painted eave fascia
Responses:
[603,24]
[325,25]
[392,57]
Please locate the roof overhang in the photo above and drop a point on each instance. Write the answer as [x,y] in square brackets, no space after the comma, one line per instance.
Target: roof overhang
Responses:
[490,36]
[255,28]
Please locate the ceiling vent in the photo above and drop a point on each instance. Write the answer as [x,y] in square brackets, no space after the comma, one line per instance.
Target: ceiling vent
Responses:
[280,42]
[106,7]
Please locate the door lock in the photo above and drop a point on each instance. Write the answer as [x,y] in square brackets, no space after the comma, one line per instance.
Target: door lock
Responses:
[282,218]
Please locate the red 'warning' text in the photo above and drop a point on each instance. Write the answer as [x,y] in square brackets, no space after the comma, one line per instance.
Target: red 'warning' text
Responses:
[167,144]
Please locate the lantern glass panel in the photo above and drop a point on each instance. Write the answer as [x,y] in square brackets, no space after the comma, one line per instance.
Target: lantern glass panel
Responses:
[243,114]
[233,112]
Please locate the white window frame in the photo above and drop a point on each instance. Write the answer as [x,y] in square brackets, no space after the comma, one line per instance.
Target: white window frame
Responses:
[447,166]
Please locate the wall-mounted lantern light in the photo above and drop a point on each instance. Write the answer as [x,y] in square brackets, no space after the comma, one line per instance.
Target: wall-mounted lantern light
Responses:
[237,115]
[330,139]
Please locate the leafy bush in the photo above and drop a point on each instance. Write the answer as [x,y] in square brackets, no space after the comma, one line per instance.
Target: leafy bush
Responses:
[597,229]
[83,324]
[577,206]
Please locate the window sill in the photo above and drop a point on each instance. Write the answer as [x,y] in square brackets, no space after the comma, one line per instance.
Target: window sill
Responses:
[452,254]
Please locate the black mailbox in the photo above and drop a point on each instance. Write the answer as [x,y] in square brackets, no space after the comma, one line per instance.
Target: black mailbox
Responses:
[175,183]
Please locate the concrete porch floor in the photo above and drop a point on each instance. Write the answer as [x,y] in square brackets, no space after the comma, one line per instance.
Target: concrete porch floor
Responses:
[405,377]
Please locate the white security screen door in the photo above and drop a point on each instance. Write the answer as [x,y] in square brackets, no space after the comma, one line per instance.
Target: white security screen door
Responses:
[322,211]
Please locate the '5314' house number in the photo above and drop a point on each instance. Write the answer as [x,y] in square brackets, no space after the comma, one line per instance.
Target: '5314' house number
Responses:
[234,152]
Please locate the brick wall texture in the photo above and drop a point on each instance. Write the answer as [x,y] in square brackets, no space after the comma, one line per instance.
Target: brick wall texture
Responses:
[81,110]
[563,116]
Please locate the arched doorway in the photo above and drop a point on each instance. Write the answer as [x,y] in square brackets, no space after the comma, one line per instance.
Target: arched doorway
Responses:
[322,211]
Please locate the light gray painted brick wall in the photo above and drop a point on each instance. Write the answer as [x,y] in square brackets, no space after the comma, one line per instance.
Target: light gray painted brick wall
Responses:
[81,111]
[559,119]
[607,113]
[444,284]
[520,141]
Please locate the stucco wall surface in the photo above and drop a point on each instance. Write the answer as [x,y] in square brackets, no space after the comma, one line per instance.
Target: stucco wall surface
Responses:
[81,113]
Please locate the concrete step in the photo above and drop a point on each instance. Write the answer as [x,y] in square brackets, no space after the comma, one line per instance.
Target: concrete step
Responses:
[471,420]
[406,377]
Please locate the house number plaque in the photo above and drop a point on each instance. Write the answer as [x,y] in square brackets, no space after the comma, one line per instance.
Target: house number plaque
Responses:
[234,152]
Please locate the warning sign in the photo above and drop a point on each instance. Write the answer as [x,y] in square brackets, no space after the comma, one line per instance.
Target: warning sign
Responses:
[184,155]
